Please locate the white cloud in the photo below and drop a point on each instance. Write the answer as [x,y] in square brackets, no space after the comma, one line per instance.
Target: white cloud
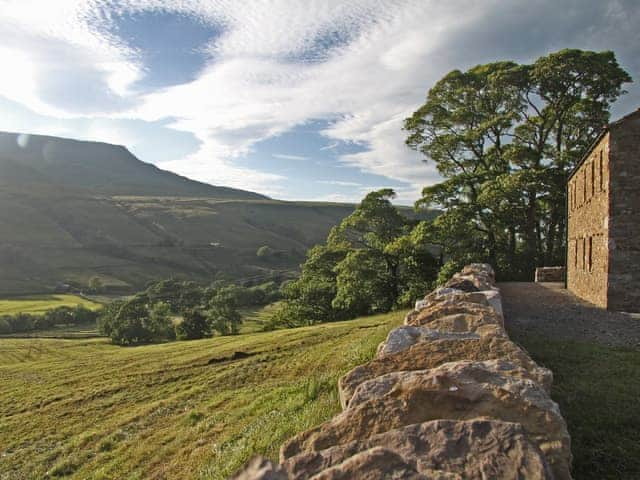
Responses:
[285,156]
[270,73]
[340,183]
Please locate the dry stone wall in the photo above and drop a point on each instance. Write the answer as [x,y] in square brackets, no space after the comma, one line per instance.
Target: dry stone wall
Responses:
[448,396]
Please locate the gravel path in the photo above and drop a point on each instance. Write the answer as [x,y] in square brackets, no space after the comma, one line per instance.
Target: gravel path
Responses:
[548,309]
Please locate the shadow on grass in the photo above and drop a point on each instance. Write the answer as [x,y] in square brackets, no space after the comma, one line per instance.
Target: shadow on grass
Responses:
[598,388]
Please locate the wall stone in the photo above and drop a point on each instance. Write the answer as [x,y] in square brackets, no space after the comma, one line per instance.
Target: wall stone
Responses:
[447,396]
[603,255]
[550,274]
[624,215]
[588,233]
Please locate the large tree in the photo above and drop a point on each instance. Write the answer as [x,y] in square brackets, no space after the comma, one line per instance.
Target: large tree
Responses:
[504,137]
[375,260]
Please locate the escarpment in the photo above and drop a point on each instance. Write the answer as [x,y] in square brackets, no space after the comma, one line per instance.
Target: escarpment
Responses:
[448,395]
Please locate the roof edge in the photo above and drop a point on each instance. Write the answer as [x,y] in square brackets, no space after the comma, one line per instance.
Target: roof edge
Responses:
[602,133]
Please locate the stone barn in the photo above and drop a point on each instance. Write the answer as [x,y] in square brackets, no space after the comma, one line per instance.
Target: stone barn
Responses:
[603,237]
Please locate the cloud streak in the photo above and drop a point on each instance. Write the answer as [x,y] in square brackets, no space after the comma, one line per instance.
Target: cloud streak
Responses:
[362,65]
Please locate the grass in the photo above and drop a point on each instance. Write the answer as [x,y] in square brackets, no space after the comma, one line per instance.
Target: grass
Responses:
[86,409]
[597,388]
[254,319]
[38,304]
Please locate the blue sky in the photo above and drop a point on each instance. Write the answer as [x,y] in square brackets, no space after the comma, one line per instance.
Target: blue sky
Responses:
[295,99]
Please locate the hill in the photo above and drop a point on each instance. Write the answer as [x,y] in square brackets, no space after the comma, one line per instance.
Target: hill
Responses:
[42,162]
[71,211]
[178,410]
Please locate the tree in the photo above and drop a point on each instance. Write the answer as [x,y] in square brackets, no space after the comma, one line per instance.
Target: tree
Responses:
[368,264]
[194,325]
[137,321]
[223,314]
[504,137]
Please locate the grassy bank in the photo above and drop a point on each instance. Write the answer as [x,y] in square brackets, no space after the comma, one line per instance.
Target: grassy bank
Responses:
[88,410]
[597,388]
[37,304]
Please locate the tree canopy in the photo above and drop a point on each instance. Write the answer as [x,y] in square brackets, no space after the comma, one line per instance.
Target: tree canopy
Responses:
[375,260]
[504,137]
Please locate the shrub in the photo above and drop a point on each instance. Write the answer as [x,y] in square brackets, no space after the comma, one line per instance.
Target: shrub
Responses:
[193,326]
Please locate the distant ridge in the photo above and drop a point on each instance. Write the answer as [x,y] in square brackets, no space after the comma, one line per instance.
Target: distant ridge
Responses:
[30,161]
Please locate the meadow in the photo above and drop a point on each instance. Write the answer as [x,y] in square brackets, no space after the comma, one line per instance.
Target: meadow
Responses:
[38,304]
[86,409]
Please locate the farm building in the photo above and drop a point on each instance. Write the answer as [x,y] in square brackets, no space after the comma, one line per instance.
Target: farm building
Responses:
[603,238]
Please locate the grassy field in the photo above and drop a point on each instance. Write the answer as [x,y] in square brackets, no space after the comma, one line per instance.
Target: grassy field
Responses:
[37,304]
[597,388]
[254,319]
[85,409]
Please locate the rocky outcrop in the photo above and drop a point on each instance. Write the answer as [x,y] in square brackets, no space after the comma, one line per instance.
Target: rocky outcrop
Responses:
[448,395]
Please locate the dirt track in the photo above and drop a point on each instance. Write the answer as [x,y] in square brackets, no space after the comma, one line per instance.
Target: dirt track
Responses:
[549,310]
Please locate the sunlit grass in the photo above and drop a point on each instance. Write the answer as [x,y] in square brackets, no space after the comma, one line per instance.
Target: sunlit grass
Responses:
[86,409]
[38,304]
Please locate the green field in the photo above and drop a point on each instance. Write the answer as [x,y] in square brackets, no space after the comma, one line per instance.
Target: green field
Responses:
[597,388]
[86,409]
[38,304]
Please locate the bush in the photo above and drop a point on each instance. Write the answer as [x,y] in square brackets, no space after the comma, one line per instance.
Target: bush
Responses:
[193,326]
[137,321]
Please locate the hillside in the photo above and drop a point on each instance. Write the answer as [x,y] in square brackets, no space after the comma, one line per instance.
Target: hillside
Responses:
[178,410]
[38,162]
[71,210]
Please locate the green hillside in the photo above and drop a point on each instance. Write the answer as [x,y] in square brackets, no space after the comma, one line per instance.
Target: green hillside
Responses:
[39,161]
[71,211]
[85,409]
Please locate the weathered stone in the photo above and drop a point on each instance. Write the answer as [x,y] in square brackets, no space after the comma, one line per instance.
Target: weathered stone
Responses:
[428,354]
[458,390]
[481,269]
[471,282]
[401,338]
[462,322]
[260,468]
[478,314]
[603,238]
[464,449]
[466,285]
[377,463]
[448,296]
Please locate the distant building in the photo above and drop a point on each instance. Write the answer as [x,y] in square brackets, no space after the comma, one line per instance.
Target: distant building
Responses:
[603,192]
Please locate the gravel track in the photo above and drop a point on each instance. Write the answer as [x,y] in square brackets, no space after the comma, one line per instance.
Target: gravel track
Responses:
[549,310]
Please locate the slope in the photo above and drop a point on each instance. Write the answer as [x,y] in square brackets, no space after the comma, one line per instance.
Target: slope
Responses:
[38,161]
[179,410]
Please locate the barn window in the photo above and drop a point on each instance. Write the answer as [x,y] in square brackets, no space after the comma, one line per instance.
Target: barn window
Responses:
[590,253]
[593,178]
[601,173]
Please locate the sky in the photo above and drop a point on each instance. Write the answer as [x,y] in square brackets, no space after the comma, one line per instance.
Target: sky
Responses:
[295,99]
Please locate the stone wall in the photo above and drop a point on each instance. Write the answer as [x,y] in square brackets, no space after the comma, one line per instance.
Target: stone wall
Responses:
[550,274]
[447,396]
[588,233]
[624,221]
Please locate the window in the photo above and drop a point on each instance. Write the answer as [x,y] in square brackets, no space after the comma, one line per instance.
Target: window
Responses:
[575,254]
[590,253]
[601,173]
[584,253]
[593,179]
[584,186]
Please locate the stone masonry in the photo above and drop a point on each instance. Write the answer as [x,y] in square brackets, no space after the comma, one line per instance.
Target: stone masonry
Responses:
[603,192]
[447,396]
